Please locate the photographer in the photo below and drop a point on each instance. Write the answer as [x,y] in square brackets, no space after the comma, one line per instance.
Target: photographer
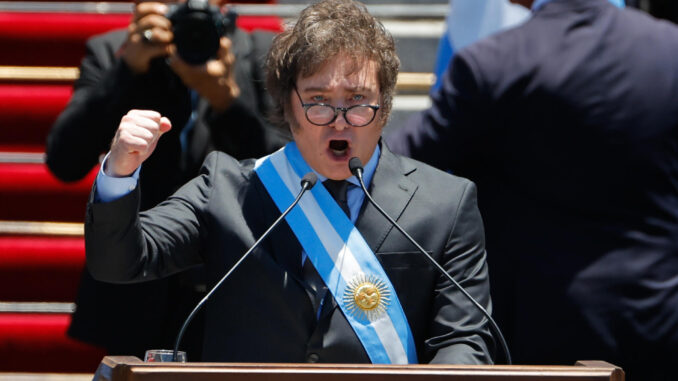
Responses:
[218,104]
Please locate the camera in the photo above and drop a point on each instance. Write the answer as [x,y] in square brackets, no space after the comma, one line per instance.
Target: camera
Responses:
[197,28]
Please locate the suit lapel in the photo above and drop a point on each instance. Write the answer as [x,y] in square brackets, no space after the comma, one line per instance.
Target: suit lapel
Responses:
[392,190]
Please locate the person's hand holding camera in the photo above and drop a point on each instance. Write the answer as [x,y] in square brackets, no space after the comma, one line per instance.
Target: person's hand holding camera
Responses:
[191,34]
[149,35]
[213,80]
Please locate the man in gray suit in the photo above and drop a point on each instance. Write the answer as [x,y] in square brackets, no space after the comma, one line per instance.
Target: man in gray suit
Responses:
[335,282]
[569,126]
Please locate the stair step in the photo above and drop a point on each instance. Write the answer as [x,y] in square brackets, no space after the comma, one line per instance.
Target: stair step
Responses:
[27,111]
[58,39]
[37,307]
[37,342]
[40,268]
[28,191]
[51,39]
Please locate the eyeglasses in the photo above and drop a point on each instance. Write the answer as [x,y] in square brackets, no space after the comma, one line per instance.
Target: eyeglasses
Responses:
[322,114]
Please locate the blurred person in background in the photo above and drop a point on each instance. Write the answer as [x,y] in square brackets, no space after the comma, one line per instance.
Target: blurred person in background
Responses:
[568,123]
[220,104]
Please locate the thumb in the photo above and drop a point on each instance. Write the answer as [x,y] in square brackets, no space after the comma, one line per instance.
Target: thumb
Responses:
[225,45]
[165,125]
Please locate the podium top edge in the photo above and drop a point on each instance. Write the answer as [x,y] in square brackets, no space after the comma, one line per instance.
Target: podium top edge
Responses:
[583,366]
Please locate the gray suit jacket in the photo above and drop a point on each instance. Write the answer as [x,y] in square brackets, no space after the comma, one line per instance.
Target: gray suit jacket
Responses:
[263,313]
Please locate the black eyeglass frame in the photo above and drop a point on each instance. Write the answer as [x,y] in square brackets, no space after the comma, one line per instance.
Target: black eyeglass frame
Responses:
[344,110]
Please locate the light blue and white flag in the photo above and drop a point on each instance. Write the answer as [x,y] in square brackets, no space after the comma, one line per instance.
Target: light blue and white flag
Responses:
[470,20]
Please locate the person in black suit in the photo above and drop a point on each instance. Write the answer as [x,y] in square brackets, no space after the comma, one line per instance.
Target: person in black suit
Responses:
[123,71]
[569,126]
[218,105]
[332,76]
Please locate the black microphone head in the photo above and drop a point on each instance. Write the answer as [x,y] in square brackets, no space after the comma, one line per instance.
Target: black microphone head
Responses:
[354,164]
[310,178]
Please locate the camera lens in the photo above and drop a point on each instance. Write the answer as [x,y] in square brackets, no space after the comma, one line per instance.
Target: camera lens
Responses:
[197,27]
[196,37]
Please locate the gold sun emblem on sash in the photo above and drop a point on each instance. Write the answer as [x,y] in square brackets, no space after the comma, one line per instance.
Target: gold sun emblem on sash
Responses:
[366,296]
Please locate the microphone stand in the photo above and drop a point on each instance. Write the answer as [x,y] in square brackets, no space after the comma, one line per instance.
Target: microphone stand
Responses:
[356,168]
[307,182]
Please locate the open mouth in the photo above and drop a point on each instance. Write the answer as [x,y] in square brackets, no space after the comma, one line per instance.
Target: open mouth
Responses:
[339,147]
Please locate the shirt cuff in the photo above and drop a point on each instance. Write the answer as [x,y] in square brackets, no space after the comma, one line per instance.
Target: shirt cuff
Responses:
[111,188]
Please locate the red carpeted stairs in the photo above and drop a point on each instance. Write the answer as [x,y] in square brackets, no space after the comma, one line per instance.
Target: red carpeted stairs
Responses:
[41,243]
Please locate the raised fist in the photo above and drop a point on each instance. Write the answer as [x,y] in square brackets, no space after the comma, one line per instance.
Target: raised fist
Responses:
[135,141]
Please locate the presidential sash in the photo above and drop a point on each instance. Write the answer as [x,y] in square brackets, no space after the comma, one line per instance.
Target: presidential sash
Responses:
[343,259]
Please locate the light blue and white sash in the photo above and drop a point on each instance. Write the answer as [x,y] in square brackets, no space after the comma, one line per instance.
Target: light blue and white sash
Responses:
[343,259]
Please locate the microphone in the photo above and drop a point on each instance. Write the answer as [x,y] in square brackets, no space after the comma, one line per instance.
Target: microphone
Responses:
[356,168]
[307,182]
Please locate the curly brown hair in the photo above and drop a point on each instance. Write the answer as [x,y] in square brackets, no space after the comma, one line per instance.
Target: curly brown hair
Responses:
[322,31]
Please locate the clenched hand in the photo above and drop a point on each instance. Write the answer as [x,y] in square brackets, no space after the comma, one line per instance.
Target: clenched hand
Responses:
[135,141]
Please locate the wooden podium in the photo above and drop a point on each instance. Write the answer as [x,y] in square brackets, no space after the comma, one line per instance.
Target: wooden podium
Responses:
[119,368]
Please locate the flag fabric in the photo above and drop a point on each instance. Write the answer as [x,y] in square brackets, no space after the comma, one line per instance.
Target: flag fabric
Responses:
[471,20]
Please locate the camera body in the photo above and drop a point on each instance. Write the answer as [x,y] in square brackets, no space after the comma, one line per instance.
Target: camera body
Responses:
[197,28]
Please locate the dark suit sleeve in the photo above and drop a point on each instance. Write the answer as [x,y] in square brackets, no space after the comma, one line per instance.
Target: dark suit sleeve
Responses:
[86,126]
[459,332]
[449,134]
[125,246]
